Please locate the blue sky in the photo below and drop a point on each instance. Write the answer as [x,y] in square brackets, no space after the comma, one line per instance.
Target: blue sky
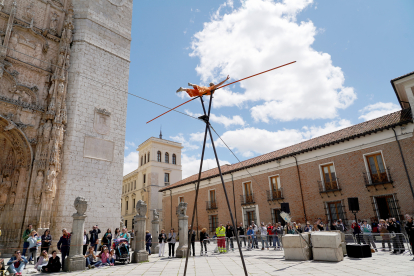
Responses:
[346,51]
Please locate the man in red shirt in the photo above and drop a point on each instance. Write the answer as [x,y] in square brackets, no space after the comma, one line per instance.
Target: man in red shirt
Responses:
[201,90]
[269,234]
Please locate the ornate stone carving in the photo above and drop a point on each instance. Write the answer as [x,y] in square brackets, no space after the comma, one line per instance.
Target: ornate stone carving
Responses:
[102,121]
[182,209]
[38,187]
[51,180]
[54,23]
[29,12]
[141,208]
[5,186]
[155,214]
[81,205]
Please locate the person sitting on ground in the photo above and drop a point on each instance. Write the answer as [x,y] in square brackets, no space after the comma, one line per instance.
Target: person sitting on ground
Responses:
[201,90]
[90,257]
[53,265]
[16,263]
[102,258]
[112,257]
[43,260]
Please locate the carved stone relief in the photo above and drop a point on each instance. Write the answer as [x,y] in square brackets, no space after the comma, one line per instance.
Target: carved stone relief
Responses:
[102,121]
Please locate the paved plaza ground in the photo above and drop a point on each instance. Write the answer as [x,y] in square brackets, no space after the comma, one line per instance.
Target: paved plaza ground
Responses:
[258,262]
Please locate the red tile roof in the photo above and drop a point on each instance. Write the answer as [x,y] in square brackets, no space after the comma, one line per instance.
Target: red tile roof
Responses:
[385,122]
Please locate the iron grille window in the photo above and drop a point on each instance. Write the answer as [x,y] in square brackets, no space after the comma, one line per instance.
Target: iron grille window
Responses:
[167,178]
[276,218]
[213,223]
[158,156]
[335,210]
[249,216]
[167,158]
[386,206]
[174,159]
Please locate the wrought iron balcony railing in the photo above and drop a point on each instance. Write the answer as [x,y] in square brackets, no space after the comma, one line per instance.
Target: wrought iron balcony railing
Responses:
[329,186]
[247,199]
[274,194]
[379,177]
[211,205]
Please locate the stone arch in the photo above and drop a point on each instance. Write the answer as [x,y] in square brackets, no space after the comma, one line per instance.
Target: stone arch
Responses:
[16,157]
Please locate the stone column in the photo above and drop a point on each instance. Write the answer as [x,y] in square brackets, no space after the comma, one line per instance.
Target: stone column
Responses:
[140,255]
[182,230]
[76,260]
[155,247]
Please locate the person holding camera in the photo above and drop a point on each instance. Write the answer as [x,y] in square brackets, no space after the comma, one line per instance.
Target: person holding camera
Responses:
[94,237]
[162,240]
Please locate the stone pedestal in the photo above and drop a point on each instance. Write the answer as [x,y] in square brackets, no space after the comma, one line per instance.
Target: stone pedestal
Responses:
[140,255]
[155,247]
[76,260]
[182,230]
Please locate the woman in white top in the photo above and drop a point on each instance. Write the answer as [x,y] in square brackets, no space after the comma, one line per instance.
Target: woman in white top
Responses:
[43,260]
[32,240]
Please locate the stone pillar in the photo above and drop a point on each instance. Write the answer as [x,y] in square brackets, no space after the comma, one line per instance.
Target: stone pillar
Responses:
[182,230]
[140,255]
[76,260]
[155,247]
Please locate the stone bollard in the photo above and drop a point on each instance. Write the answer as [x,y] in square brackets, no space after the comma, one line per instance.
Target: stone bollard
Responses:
[182,230]
[155,247]
[76,260]
[140,255]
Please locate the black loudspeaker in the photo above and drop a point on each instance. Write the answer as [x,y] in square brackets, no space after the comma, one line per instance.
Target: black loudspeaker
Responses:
[358,250]
[353,204]
[285,207]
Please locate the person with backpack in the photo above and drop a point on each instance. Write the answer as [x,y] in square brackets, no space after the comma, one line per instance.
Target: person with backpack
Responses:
[148,242]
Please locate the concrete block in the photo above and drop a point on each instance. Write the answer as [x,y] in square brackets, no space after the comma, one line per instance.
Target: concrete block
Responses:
[297,254]
[342,234]
[328,254]
[343,245]
[325,239]
[295,241]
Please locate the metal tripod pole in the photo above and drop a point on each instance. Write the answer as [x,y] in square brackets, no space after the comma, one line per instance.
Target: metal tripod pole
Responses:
[198,182]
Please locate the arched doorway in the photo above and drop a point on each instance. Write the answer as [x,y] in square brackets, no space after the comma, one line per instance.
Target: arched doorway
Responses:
[16,157]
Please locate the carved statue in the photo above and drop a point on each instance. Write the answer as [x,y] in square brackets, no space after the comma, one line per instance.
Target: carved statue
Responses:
[51,179]
[14,41]
[29,13]
[54,23]
[81,205]
[155,214]
[4,191]
[182,209]
[46,131]
[141,208]
[12,198]
[38,187]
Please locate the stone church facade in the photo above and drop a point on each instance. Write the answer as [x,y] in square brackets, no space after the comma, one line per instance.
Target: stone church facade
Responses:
[64,68]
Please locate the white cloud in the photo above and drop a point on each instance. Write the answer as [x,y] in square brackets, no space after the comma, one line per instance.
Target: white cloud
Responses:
[249,141]
[130,162]
[260,35]
[198,136]
[187,145]
[376,110]
[191,164]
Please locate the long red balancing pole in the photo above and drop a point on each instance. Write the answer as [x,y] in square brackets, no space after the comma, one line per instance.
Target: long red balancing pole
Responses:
[222,87]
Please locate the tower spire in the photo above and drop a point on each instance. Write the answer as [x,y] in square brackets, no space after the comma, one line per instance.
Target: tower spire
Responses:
[161,132]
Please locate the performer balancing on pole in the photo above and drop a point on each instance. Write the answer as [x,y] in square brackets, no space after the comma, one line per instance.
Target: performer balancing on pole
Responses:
[201,90]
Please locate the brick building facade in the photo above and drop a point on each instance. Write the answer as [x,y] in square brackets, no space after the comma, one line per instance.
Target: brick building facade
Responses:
[315,177]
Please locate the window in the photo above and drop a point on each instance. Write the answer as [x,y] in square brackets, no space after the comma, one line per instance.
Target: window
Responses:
[335,211]
[135,184]
[249,216]
[145,159]
[144,178]
[275,187]
[129,187]
[142,161]
[329,177]
[276,216]
[213,221]
[167,178]
[126,205]
[133,201]
[386,207]
[248,193]
[213,203]
[174,160]
[167,158]
[148,157]
[180,199]
[126,223]
[158,156]
[376,168]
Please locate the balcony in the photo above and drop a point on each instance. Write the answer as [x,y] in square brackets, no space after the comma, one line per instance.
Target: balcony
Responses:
[274,195]
[327,187]
[211,205]
[380,177]
[247,199]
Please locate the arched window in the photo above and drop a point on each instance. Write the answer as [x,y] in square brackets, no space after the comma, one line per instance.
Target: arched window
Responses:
[167,158]
[142,162]
[135,184]
[159,156]
[148,157]
[145,159]
[174,159]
